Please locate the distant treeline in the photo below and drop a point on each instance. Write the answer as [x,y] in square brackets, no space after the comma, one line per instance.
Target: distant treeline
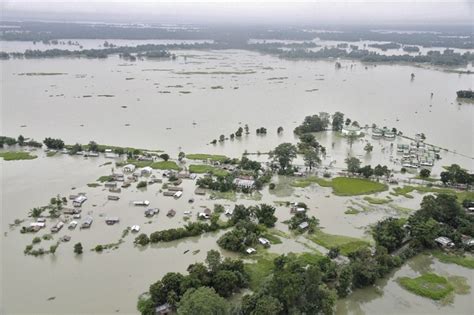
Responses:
[458,36]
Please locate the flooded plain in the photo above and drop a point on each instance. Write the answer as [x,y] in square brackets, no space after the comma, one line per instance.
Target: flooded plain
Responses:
[183,104]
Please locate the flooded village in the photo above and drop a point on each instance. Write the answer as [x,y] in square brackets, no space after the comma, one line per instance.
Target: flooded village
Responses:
[256,180]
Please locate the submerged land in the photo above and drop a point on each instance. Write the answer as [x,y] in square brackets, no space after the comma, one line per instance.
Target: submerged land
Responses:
[202,176]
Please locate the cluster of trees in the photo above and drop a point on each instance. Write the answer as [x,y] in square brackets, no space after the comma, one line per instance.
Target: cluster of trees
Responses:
[283,155]
[56,144]
[386,46]
[190,229]
[454,174]
[439,215]
[249,224]
[465,94]
[301,217]
[21,141]
[311,150]
[249,165]
[354,167]
[261,131]
[218,183]
[314,123]
[294,288]
[202,291]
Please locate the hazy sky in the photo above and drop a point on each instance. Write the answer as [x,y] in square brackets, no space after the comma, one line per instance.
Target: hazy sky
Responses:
[297,12]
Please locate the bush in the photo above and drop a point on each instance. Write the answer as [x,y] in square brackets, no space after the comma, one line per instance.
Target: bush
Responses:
[272,186]
[141,184]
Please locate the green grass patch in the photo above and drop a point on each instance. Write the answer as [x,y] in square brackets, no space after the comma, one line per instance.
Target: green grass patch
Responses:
[405,190]
[346,186]
[377,201]
[51,153]
[16,156]
[305,182]
[428,285]
[228,195]
[105,178]
[346,244]
[205,157]
[259,271]
[310,258]
[401,210]
[351,210]
[202,169]
[93,185]
[446,258]
[272,238]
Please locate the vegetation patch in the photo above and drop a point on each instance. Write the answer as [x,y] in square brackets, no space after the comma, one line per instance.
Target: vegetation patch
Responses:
[406,190]
[93,185]
[428,285]
[205,157]
[346,244]
[15,156]
[351,210]
[377,201]
[464,261]
[51,153]
[305,182]
[259,271]
[105,178]
[201,169]
[345,186]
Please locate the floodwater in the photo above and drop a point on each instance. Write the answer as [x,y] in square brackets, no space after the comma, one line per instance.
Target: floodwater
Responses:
[389,297]
[259,90]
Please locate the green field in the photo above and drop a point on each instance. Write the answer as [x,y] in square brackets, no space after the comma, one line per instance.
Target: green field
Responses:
[406,190]
[202,169]
[344,186]
[377,201]
[429,285]
[204,157]
[346,244]
[464,261]
[305,182]
[16,156]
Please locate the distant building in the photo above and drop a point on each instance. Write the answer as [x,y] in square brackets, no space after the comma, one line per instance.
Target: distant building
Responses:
[346,130]
[244,183]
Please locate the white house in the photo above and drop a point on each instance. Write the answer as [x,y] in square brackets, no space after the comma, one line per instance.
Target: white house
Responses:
[244,183]
[264,241]
[129,168]
[79,200]
[146,171]
[351,129]
[250,250]
[444,241]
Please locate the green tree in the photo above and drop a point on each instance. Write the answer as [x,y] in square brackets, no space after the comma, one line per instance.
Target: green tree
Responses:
[201,301]
[265,215]
[181,156]
[225,282]
[221,138]
[246,129]
[353,164]
[368,148]
[93,146]
[267,305]
[75,148]
[78,248]
[21,140]
[311,158]
[280,130]
[142,239]
[213,260]
[283,154]
[351,138]
[425,173]
[344,281]
[146,306]
[337,121]
[389,233]
[165,156]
